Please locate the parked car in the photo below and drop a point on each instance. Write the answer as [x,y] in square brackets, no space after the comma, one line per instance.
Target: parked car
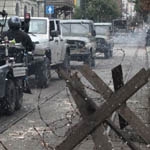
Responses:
[46,33]
[148,38]
[104,42]
[51,51]
[80,35]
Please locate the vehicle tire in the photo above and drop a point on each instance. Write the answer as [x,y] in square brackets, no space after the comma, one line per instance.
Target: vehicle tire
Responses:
[107,55]
[111,53]
[19,95]
[66,65]
[10,98]
[88,61]
[43,74]
[93,62]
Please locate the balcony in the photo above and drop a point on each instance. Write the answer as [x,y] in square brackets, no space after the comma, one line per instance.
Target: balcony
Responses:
[60,3]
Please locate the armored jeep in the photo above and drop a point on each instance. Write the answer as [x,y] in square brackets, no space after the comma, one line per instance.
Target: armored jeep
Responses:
[50,46]
[80,35]
[51,50]
[104,42]
[13,72]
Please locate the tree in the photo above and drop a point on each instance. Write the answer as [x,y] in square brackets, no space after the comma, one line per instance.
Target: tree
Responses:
[77,13]
[99,10]
[143,8]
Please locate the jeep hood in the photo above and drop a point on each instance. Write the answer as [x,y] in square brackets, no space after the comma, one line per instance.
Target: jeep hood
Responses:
[102,36]
[38,38]
[41,42]
[74,38]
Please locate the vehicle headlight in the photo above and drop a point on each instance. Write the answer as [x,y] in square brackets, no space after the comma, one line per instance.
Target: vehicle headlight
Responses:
[76,44]
[81,44]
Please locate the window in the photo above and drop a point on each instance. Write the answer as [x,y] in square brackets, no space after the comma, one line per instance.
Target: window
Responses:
[17,9]
[32,11]
[25,9]
[38,26]
[58,26]
[52,26]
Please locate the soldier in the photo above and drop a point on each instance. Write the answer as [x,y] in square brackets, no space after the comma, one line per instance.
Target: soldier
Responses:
[14,33]
[148,38]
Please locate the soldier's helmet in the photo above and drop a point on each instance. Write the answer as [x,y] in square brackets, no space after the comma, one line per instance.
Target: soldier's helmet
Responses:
[14,23]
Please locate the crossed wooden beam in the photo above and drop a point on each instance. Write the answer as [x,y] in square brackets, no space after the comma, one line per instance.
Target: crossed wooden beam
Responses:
[94,116]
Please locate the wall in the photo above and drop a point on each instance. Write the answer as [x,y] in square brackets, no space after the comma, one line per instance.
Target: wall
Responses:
[18,7]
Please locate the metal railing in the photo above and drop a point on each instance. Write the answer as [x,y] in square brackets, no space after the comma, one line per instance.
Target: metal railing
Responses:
[61,2]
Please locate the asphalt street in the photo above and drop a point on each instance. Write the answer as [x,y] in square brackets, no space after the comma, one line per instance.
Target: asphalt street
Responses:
[55,111]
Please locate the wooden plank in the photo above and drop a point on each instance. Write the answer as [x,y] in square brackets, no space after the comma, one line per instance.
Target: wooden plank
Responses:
[117,76]
[86,108]
[136,123]
[97,82]
[100,140]
[121,135]
[86,127]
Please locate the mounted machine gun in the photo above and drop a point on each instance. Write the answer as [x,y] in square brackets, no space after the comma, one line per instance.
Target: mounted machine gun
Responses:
[13,72]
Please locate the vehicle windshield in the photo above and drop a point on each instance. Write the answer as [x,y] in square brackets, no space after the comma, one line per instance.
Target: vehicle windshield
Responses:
[2,22]
[102,30]
[38,26]
[73,29]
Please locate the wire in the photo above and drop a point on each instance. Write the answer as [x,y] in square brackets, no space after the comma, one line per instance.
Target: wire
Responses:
[4,4]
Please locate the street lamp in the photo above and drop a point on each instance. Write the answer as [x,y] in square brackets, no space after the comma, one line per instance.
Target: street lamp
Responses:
[44,8]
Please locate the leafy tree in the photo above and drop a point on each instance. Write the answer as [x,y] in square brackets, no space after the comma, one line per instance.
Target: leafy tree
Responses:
[99,10]
[139,7]
[78,13]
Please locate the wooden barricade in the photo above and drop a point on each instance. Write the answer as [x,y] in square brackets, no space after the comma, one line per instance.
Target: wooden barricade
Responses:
[94,116]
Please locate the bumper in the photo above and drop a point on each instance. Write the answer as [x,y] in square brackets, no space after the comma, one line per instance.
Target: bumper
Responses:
[79,56]
[102,50]
[3,72]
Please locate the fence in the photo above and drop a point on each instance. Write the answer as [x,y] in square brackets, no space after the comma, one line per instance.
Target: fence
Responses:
[94,117]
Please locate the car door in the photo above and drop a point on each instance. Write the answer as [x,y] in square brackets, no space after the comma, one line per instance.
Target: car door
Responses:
[61,46]
[54,44]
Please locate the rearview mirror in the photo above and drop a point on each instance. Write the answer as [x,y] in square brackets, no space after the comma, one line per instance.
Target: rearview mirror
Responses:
[93,33]
[54,33]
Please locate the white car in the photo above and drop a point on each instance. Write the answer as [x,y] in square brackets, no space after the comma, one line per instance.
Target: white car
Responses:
[103,39]
[80,35]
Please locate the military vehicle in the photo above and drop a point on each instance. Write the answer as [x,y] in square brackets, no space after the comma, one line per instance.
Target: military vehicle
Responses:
[80,35]
[51,50]
[13,72]
[104,41]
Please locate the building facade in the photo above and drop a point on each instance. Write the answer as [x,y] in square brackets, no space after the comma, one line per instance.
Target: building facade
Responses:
[62,8]
[19,7]
[36,7]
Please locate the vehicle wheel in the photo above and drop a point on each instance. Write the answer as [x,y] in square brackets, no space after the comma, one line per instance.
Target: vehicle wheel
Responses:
[66,65]
[107,55]
[88,61]
[93,62]
[43,74]
[19,95]
[10,97]
[111,53]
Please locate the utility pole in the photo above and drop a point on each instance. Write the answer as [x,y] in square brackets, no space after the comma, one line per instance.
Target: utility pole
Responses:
[85,8]
[44,8]
[121,9]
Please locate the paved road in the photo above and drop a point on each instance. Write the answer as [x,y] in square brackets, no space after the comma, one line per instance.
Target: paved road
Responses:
[60,111]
